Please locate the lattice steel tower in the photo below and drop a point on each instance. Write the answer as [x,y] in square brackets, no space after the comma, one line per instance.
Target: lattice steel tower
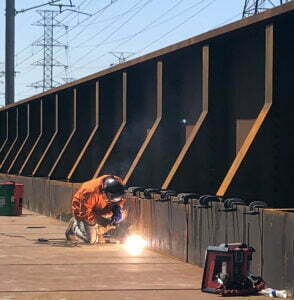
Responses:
[48,43]
[252,7]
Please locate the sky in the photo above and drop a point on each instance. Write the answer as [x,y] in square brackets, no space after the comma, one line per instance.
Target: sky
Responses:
[95,34]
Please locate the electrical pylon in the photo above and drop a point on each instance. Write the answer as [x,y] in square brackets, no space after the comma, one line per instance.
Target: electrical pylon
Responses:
[48,43]
[252,7]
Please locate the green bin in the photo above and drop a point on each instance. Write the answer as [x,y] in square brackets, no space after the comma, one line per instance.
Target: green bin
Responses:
[6,199]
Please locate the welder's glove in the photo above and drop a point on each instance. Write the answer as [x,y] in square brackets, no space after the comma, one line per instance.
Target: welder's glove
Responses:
[117,216]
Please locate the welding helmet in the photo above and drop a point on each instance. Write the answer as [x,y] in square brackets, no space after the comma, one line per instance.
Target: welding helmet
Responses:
[113,189]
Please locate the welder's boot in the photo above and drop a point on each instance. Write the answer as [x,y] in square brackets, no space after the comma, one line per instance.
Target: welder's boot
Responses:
[75,231]
[69,233]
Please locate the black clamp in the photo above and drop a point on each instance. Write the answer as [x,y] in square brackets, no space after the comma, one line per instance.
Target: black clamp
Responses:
[230,202]
[255,204]
[165,195]
[147,192]
[185,197]
[204,201]
[135,189]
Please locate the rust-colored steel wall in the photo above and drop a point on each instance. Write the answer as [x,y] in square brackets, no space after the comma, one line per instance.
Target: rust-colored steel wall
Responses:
[22,132]
[32,135]
[46,124]
[12,117]
[270,160]
[64,115]
[3,129]
[83,122]
[211,114]
[110,119]
[140,115]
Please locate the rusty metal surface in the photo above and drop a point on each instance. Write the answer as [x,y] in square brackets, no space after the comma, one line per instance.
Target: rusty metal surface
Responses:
[154,126]
[181,104]
[140,109]
[227,29]
[161,226]
[4,129]
[110,120]
[254,237]
[120,129]
[31,137]
[35,270]
[47,128]
[12,135]
[192,144]
[21,133]
[23,130]
[58,160]
[36,134]
[268,92]
[164,225]
[178,231]
[272,150]
[92,111]
[64,114]
[196,127]
[279,248]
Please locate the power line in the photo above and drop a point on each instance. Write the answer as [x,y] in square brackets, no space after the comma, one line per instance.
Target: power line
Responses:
[62,20]
[165,34]
[115,31]
[177,26]
[149,26]
[97,12]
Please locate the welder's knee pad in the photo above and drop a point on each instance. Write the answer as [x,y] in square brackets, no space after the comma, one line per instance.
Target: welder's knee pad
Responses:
[92,233]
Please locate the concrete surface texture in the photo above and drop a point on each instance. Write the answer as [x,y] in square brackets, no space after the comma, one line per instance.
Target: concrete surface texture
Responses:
[58,269]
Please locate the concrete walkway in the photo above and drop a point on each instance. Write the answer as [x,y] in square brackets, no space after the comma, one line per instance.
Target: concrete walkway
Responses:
[58,270]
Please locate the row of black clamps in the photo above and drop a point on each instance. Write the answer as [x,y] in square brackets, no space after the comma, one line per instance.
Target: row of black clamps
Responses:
[203,201]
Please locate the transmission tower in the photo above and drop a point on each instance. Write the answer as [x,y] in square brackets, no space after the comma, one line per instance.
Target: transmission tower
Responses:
[48,43]
[252,7]
[121,56]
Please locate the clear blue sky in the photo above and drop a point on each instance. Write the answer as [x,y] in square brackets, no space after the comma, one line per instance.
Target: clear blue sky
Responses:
[136,27]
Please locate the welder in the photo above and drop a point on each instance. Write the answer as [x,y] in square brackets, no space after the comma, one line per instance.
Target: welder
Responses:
[97,208]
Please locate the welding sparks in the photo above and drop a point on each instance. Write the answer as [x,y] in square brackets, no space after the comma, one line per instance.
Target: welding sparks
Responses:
[134,244]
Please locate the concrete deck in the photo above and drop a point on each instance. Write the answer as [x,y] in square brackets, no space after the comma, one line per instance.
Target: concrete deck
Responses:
[59,270]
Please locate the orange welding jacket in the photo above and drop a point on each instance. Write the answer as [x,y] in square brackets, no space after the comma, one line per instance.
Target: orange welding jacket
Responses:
[89,201]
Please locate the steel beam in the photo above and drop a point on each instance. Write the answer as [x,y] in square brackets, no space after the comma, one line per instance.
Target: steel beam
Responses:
[36,142]
[121,128]
[25,140]
[70,136]
[199,122]
[13,143]
[52,138]
[91,136]
[7,128]
[261,117]
[154,126]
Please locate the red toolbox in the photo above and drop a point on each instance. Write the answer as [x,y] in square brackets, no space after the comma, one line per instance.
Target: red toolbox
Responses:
[18,196]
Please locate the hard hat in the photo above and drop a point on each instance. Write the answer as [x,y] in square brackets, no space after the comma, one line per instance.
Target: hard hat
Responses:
[113,189]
